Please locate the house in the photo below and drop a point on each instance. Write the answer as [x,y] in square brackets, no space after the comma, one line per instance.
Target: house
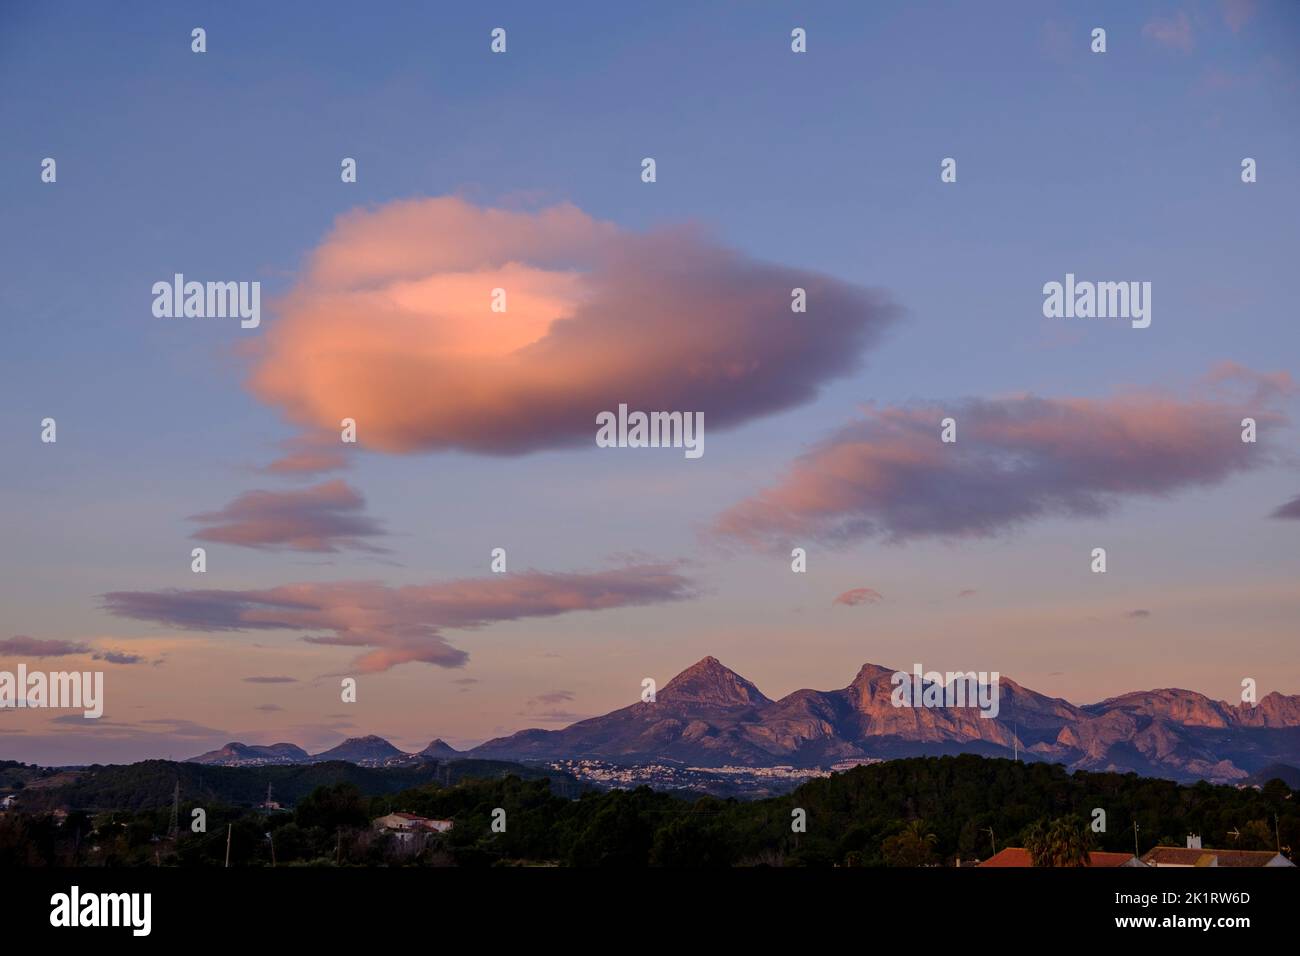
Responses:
[1195,855]
[407,826]
[8,802]
[1014,856]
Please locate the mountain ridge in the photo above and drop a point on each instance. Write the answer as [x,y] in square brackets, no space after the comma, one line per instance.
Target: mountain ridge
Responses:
[710,716]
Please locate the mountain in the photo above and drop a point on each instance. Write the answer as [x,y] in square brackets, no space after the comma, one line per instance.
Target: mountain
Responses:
[697,717]
[710,716]
[368,751]
[1276,771]
[440,750]
[244,755]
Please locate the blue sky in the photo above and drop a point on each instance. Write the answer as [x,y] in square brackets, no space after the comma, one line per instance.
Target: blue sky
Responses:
[1116,166]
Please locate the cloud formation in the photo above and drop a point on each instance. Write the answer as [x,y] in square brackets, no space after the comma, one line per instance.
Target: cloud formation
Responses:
[859,596]
[545,708]
[21,645]
[1015,460]
[391,325]
[324,518]
[305,456]
[1289,510]
[402,624]
[119,657]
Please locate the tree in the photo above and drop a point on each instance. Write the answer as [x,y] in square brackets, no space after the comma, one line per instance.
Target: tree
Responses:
[1065,841]
[331,807]
[914,846]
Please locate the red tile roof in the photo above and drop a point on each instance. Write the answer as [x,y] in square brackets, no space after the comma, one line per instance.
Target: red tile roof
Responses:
[1019,856]
[1182,856]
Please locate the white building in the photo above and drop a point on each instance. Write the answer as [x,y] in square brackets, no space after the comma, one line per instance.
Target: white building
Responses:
[1195,855]
[407,826]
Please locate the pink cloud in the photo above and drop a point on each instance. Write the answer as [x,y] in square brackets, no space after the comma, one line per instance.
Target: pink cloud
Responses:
[1173,32]
[324,518]
[1016,460]
[859,596]
[309,455]
[403,624]
[391,325]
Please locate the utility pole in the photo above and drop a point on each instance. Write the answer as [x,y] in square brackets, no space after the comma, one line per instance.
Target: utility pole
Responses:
[994,839]
[1277,833]
[229,827]
[174,828]
[1135,838]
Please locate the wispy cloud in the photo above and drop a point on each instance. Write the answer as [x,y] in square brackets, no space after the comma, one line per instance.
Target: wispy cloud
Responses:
[323,518]
[406,623]
[859,596]
[1016,460]
[23,646]
[544,708]
[1289,510]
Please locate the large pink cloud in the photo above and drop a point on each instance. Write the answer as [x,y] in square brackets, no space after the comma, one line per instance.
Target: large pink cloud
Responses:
[390,324]
[889,475]
[402,624]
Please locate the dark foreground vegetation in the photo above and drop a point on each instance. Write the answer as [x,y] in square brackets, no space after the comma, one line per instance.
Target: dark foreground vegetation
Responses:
[913,812]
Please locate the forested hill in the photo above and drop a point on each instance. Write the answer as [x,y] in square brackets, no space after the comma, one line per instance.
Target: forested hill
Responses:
[151,784]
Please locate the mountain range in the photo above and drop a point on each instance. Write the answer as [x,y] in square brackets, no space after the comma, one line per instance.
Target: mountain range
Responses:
[710,716]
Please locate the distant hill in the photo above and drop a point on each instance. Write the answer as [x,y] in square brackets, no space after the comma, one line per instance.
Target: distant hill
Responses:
[236,754]
[367,751]
[440,750]
[149,785]
[1276,771]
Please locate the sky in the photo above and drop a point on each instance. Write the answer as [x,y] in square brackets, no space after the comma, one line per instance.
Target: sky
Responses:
[523,171]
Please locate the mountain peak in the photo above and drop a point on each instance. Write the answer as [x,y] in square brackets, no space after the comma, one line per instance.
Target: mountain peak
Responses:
[709,681]
[440,748]
[369,747]
[870,672]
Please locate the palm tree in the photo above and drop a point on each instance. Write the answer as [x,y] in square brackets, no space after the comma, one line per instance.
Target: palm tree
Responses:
[916,830]
[1066,841]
